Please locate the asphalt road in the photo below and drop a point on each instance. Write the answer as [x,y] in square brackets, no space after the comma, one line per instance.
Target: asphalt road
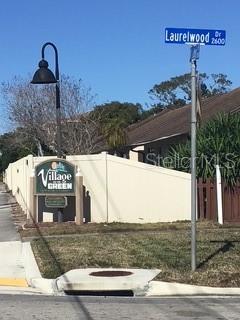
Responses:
[26,307]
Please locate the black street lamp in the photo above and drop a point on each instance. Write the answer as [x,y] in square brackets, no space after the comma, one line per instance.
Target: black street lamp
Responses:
[45,76]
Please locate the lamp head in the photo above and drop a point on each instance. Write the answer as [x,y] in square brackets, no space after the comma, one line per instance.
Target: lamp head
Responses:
[43,75]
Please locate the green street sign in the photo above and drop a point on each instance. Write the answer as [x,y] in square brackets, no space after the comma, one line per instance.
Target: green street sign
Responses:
[55,176]
[55,201]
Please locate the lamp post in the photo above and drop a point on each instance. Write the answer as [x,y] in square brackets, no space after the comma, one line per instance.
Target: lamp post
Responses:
[45,76]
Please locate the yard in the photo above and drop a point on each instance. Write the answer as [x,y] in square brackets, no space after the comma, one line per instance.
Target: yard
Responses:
[162,247]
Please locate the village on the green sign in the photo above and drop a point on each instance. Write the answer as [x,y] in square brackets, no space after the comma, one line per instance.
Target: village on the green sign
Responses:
[55,176]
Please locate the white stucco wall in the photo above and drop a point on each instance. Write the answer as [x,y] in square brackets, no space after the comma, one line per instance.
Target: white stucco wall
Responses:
[141,193]
[17,178]
[129,191]
[93,170]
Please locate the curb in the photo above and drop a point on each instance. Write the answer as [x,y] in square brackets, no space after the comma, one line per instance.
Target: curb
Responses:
[33,275]
[161,288]
[18,290]
[14,282]
[46,286]
[29,262]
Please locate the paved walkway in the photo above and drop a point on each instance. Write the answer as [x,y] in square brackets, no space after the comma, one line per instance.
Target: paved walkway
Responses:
[7,228]
[12,270]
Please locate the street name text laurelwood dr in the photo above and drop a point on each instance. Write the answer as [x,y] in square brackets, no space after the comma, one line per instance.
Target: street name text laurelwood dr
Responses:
[211,37]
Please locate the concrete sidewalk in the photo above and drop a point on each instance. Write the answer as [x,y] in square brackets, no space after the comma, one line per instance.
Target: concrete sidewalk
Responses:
[17,264]
[8,230]
[11,264]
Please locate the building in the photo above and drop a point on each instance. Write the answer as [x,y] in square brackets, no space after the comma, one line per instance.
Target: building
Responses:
[157,133]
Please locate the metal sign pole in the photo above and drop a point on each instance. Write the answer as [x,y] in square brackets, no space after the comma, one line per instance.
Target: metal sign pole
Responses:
[194,37]
[193,58]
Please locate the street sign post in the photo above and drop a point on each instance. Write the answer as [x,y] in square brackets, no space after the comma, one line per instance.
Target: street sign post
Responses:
[193,59]
[194,37]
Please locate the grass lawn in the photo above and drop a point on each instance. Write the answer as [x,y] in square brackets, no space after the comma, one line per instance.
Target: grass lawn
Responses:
[218,251]
[49,229]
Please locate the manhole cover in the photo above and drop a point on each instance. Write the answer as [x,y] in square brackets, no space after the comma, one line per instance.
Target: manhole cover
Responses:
[110,273]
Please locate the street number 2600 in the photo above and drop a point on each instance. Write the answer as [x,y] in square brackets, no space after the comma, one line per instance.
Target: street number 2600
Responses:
[217,41]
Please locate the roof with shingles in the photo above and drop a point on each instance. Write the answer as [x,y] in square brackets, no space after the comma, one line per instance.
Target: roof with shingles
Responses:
[177,121]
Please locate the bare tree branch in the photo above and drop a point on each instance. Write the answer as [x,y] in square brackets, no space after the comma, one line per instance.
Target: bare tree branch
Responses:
[32,108]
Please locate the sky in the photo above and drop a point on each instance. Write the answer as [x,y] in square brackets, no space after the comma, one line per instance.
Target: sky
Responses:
[116,47]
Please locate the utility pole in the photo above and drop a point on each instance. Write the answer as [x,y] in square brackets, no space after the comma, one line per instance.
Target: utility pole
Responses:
[193,58]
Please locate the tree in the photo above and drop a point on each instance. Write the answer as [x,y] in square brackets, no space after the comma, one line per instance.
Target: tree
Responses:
[13,146]
[220,84]
[115,133]
[33,109]
[126,112]
[177,91]
[218,142]
[114,117]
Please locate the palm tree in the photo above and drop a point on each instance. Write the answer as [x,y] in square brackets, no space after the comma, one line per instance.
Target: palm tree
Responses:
[115,134]
[218,142]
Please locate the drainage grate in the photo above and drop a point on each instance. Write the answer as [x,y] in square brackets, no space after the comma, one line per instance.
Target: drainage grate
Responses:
[112,273]
[112,293]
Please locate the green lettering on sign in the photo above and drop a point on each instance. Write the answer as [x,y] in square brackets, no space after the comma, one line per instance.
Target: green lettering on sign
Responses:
[55,177]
